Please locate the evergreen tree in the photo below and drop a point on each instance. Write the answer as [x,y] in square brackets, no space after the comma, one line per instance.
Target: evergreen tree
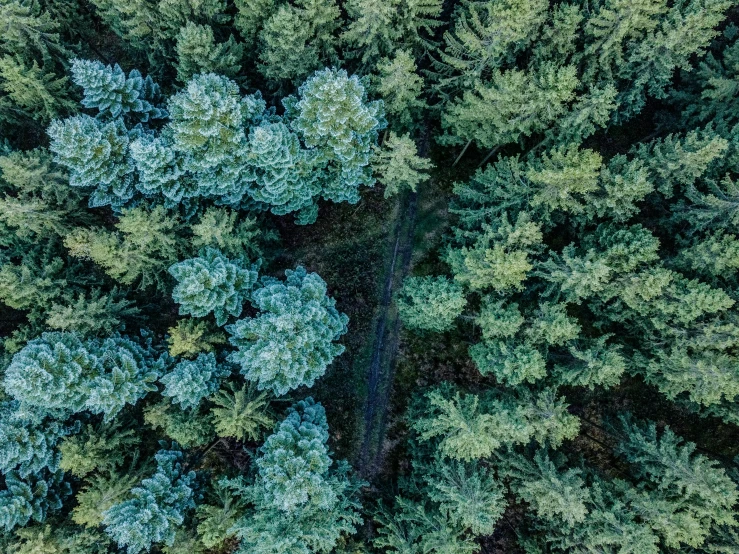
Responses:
[398,165]
[107,89]
[284,173]
[333,116]
[197,52]
[191,381]
[212,283]
[29,498]
[301,504]
[428,303]
[146,243]
[298,39]
[299,308]
[250,18]
[156,508]
[189,428]
[190,337]
[101,447]
[240,412]
[29,89]
[400,88]
[95,154]
[468,493]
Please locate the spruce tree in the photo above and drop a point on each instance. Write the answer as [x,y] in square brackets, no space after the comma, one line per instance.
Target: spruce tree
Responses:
[191,381]
[398,165]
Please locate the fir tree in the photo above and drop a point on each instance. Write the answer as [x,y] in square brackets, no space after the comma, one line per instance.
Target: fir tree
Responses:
[332,115]
[107,89]
[96,156]
[400,88]
[29,498]
[398,165]
[240,412]
[190,337]
[301,308]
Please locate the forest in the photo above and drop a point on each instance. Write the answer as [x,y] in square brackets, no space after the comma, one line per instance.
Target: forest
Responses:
[369,276]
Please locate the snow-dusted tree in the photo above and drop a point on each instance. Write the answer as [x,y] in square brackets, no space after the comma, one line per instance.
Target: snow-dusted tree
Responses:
[191,381]
[332,115]
[299,309]
[212,283]
[107,89]
[156,509]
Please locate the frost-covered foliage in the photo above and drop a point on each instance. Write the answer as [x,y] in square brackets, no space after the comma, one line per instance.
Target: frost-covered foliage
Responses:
[212,283]
[107,89]
[191,381]
[59,373]
[333,116]
[31,497]
[299,309]
[156,508]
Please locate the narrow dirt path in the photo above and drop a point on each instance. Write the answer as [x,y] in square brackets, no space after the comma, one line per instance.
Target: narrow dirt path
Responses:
[385,345]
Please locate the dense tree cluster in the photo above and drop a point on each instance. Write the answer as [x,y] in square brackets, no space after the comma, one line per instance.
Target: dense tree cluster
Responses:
[558,307]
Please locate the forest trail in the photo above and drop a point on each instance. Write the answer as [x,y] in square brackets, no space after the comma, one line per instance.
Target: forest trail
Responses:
[386,337]
[385,343]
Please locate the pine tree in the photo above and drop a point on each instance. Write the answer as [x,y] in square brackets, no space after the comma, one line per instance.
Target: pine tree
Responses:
[372,32]
[250,18]
[145,244]
[499,259]
[98,313]
[28,440]
[212,283]
[398,165]
[206,126]
[514,105]
[188,428]
[156,509]
[302,505]
[29,498]
[58,373]
[191,381]
[107,89]
[96,156]
[197,52]
[191,337]
[333,116]
[101,447]
[430,303]
[37,93]
[300,308]
[240,412]
[485,35]
[552,493]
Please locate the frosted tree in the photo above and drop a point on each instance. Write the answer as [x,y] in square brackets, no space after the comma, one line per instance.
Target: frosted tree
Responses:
[284,172]
[29,498]
[302,503]
[300,309]
[95,154]
[212,283]
[110,91]
[332,115]
[191,381]
[156,508]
